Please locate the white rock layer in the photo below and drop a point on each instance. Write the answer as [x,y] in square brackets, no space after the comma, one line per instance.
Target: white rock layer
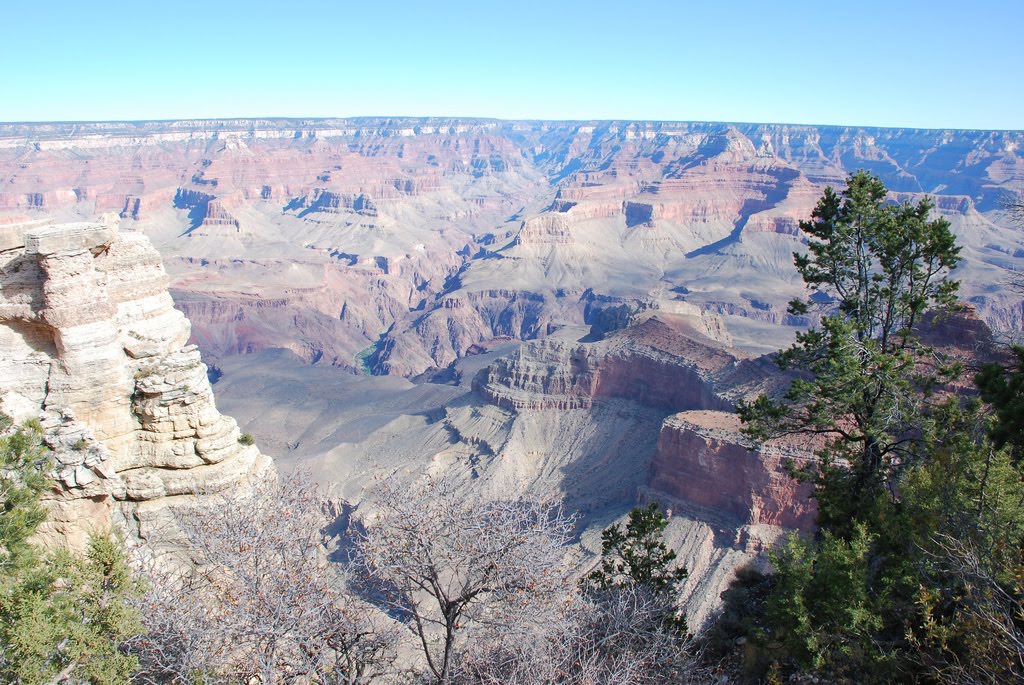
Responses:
[91,344]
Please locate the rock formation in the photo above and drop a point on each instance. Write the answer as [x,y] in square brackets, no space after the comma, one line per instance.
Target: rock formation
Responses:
[668,364]
[90,344]
[404,242]
[645,414]
[704,463]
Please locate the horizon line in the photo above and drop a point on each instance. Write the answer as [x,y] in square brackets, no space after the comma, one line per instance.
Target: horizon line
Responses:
[596,121]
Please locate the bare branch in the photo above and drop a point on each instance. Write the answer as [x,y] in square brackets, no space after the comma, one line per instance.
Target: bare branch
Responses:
[457,564]
[261,601]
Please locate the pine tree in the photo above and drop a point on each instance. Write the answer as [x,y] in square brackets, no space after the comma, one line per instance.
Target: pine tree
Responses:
[1002,387]
[637,556]
[863,375]
[848,602]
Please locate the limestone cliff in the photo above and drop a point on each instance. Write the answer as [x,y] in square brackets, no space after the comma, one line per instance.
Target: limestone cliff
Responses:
[90,343]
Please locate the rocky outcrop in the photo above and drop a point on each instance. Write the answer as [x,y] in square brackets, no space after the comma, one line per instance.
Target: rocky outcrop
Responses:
[664,361]
[644,414]
[546,229]
[321,200]
[91,344]
[703,462]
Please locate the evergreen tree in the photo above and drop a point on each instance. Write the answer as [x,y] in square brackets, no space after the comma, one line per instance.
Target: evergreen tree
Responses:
[637,556]
[61,616]
[1002,387]
[23,464]
[931,586]
[847,604]
[863,375]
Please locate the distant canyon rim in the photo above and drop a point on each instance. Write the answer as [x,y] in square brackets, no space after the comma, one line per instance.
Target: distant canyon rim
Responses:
[559,308]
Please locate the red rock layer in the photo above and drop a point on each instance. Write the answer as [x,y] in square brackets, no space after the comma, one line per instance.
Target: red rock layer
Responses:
[702,459]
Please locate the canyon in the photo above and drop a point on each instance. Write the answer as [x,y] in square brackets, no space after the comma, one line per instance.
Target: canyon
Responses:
[421,237]
[561,308]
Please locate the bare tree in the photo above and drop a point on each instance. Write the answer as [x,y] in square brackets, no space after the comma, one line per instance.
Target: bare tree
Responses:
[259,600]
[980,614]
[1014,206]
[617,636]
[458,565]
[179,642]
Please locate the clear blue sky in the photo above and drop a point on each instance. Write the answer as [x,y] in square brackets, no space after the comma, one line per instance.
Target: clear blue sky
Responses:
[932,64]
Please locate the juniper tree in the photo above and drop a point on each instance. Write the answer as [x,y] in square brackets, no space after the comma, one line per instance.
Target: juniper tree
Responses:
[62,616]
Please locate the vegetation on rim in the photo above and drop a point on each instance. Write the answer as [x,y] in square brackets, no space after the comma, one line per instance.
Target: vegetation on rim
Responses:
[914,573]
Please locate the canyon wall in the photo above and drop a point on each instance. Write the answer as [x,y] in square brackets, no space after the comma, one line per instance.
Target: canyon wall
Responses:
[669,366]
[397,244]
[644,414]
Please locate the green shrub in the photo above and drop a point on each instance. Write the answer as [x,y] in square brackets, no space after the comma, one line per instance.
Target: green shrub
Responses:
[63,617]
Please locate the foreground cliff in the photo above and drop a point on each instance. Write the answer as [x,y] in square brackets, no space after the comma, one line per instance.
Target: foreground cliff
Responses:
[91,345]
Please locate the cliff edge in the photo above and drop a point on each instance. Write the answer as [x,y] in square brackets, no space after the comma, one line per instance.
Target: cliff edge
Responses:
[92,346]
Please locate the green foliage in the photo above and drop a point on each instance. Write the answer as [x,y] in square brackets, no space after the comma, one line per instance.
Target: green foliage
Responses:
[966,510]
[246,439]
[61,616]
[23,464]
[967,488]
[862,379]
[1003,388]
[972,628]
[636,555]
[929,584]
[916,568]
[69,615]
[823,611]
[885,263]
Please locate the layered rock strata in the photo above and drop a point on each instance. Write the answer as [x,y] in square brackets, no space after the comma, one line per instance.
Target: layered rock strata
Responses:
[90,344]
[670,364]
[704,462]
[643,415]
[423,237]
